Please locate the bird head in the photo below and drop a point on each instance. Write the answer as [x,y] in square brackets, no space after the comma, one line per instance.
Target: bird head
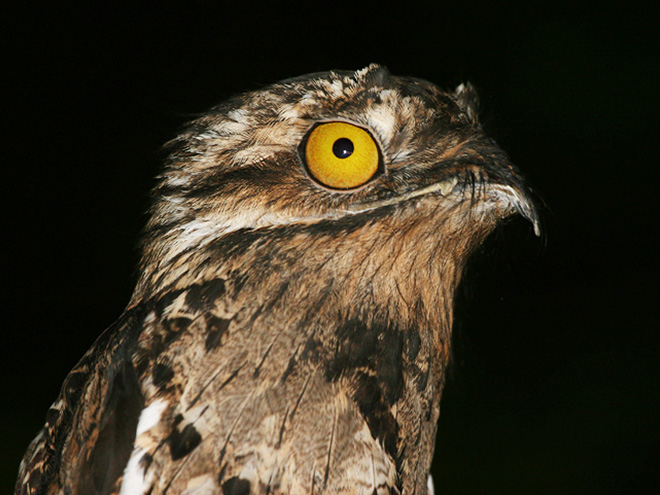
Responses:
[381,184]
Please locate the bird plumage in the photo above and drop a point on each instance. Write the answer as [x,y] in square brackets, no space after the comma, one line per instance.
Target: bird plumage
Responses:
[285,337]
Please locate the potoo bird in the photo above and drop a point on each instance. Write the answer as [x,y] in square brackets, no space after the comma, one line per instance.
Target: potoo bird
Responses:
[290,329]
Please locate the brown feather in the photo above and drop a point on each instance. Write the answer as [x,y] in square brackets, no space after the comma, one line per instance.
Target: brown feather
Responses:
[285,338]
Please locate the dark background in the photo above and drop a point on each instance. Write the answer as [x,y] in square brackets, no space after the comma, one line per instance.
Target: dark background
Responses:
[555,385]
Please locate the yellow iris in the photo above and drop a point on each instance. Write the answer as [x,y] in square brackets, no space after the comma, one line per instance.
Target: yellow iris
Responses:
[341,155]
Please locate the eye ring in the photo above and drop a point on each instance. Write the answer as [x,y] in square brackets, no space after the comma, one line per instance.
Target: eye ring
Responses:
[340,156]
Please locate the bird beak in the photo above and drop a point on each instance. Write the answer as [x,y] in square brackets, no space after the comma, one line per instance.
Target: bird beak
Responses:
[521,201]
[511,195]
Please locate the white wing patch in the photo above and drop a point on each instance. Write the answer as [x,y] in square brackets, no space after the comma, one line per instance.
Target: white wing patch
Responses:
[150,416]
[136,480]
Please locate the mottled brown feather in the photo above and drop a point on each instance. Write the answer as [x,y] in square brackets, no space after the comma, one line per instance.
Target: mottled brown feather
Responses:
[284,338]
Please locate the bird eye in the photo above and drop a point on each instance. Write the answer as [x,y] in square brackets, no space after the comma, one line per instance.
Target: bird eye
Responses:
[341,155]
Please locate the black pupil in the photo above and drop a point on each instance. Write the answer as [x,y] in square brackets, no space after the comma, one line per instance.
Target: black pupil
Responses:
[343,148]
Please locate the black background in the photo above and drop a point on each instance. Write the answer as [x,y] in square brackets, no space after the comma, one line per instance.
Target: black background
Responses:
[555,385]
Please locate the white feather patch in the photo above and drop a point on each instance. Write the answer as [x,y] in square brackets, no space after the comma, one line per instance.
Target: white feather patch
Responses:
[150,416]
[136,481]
